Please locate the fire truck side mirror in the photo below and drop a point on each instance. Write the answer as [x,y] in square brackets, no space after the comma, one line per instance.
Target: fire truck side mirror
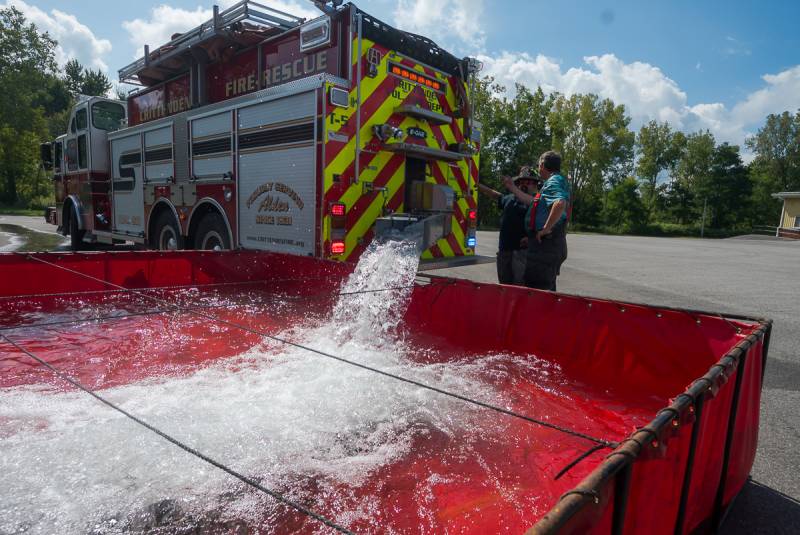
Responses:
[46,155]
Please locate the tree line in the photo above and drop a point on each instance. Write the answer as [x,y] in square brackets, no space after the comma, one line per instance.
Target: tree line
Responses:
[35,99]
[652,181]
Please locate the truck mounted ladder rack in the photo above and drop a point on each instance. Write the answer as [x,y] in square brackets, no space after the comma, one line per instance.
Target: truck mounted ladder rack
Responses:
[166,61]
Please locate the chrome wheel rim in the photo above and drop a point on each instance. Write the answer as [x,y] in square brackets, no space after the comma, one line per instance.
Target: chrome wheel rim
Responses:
[212,241]
[167,240]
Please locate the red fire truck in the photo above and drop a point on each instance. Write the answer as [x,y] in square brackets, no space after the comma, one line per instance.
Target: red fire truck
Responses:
[261,130]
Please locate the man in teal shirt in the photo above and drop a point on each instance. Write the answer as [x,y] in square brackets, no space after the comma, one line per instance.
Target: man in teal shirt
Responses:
[546,221]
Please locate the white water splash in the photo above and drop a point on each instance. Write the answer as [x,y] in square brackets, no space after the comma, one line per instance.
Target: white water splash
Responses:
[279,414]
[375,296]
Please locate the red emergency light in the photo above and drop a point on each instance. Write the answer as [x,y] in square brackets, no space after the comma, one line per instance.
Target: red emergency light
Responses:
[414,76]
[337,247]
[338,209]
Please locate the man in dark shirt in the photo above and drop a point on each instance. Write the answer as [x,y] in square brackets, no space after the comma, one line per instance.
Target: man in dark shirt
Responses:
[513,240]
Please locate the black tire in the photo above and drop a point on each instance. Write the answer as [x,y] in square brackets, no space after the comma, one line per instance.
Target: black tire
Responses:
[212,233]
[166,234]
[75,234]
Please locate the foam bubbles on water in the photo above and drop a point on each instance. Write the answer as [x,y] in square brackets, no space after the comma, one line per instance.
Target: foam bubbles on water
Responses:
[294,420]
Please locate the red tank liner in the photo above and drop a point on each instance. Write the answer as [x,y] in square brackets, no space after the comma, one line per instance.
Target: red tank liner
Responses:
[678,474]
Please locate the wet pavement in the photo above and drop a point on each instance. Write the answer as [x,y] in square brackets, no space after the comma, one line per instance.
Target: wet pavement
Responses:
[18,233]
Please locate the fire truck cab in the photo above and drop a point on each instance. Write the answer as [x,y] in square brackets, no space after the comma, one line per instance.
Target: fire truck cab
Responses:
[261,130]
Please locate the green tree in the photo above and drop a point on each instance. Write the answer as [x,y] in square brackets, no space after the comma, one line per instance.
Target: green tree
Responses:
[776,166]
[515,133]
[694,172]
[82,81]
[729,189]
[624,207]
[27,69]
[73,76]
[596,145]
[658,150]
[95,83]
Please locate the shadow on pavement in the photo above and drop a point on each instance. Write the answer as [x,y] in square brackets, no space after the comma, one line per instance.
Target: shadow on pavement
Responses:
[760,509]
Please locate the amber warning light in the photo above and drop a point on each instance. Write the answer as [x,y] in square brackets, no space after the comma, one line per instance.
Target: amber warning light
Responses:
[414,76]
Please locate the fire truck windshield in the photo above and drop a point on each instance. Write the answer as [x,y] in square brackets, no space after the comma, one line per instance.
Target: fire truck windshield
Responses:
[107,115]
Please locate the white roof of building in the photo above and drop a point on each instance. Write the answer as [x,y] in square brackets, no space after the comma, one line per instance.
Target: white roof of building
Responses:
[787,195]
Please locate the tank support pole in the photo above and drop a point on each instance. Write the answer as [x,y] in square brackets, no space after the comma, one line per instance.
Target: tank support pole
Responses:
[767,336]
[718,512]
[687,475]
[357,170]
[622,487]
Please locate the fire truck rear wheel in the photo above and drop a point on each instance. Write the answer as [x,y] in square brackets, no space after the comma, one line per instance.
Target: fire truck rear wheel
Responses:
[212,234]
[166,233]
[75,234]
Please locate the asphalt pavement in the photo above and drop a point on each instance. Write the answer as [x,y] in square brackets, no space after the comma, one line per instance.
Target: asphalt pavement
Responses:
[26,233]
[754,276]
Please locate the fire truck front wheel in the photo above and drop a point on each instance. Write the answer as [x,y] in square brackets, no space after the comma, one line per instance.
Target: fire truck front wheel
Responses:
[166,233]
[212,234]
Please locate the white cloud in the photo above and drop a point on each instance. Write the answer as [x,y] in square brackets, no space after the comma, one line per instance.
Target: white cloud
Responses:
[163,21]
[453,24]
[75,40]
[648,93]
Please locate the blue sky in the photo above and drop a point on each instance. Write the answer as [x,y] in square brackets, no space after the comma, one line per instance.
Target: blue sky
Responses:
[697,64]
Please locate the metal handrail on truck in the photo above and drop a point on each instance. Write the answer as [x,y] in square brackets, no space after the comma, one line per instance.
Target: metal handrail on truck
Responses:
[244,11]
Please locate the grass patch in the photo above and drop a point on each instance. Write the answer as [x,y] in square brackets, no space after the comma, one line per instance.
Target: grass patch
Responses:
[13,210]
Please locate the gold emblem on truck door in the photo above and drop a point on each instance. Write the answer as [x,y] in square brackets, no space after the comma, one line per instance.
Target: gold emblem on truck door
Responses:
[272,203]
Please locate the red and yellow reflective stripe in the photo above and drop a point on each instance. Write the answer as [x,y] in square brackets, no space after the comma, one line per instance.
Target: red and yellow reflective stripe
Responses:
[380,96]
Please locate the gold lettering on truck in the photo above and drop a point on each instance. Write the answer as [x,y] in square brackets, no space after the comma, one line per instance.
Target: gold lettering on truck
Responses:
[273,204]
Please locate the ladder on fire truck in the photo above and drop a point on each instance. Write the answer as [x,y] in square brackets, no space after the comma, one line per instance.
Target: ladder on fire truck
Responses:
[162,63]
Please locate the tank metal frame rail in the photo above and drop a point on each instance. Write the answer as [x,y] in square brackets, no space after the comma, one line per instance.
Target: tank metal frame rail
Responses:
[244,11]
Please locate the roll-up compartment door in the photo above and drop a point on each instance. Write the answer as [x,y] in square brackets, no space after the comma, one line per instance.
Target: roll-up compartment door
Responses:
[212,147]
[277,175]
[158,155]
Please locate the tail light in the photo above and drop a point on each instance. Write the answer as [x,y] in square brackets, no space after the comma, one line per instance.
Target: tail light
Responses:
[337,247]
[338,211]
[472,225]
[472,218]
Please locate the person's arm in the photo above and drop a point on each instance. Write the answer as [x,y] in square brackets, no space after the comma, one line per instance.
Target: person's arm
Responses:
[486,190]
[556,210]
[518,193]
